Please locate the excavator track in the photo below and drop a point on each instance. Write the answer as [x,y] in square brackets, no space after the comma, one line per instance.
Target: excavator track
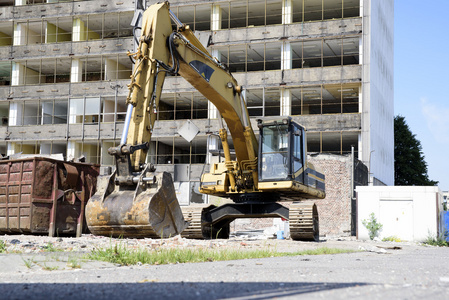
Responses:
[303,220]
[198,228]
[193,214]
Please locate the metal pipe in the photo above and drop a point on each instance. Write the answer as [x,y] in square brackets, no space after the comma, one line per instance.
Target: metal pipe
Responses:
[144,179]
[129,112]
[352,172]
[175,19]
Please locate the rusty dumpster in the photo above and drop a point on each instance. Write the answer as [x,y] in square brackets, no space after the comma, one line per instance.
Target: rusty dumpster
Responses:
[40,195]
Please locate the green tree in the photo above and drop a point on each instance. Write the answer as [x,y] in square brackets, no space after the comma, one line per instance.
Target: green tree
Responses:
[410,168]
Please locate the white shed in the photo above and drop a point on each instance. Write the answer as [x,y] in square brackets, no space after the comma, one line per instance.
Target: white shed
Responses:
[410,213]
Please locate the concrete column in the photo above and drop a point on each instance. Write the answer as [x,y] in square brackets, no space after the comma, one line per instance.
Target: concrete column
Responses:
[215,19]
[17,73]
[360,100]
[286,56]
[19,34]
[212,111]
[15,114]
[286,102]
[20,2]
[287,12]
[11,149]
[76,71]
[78,30]
[71,150]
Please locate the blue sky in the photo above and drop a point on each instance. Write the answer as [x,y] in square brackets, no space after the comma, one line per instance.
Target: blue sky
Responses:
[421,67]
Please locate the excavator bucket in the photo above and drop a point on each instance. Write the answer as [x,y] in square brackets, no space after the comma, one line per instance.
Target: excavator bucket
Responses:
[147,209]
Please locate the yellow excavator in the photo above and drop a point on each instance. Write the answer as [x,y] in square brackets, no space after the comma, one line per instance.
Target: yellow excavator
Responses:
[136,201]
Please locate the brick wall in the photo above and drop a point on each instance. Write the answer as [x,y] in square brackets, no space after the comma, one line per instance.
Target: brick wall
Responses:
[335,210]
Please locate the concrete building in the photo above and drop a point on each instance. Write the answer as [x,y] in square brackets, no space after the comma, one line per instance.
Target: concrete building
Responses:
[328,63]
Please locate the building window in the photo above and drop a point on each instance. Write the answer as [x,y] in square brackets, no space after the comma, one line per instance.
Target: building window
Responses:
[198,17]
[313,10]
[53,147]
[114,109]
[336,142]
[54,112]
[325,52]
[176,150]
[91,150]
[181,106]
[84,110]
[250,57]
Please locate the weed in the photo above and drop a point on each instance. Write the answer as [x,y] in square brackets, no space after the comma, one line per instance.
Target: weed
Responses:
[119,254]
[2,247]
[73,263]
[392,238]
[436,241]
[29,262]
[51,248]
[48,268]
[372,225]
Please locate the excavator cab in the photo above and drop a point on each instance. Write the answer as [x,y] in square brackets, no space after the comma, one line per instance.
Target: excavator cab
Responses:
[281,151]
[282,160]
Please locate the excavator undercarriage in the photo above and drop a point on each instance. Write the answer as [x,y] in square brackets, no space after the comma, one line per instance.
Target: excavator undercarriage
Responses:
[211,222]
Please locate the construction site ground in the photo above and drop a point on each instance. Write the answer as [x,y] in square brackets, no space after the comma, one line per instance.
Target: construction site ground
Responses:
[376,270]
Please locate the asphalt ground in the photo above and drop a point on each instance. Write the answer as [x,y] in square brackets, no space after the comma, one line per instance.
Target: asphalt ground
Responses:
[378,270]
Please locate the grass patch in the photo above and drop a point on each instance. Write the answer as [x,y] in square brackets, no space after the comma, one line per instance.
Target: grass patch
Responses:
[436,241]
[119,254]
[2,247]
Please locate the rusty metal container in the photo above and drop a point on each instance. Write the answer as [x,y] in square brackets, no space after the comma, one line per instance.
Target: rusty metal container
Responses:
[41,195]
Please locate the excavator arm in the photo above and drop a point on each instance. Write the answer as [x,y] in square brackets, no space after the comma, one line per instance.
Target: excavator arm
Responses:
[134,200]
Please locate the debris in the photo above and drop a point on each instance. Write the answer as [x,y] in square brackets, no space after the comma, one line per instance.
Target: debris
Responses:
[390,248]
[374,249]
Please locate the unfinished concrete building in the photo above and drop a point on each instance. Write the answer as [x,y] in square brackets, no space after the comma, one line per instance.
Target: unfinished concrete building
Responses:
[327,63]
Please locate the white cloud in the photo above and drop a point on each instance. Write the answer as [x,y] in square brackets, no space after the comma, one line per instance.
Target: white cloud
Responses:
[437,118]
